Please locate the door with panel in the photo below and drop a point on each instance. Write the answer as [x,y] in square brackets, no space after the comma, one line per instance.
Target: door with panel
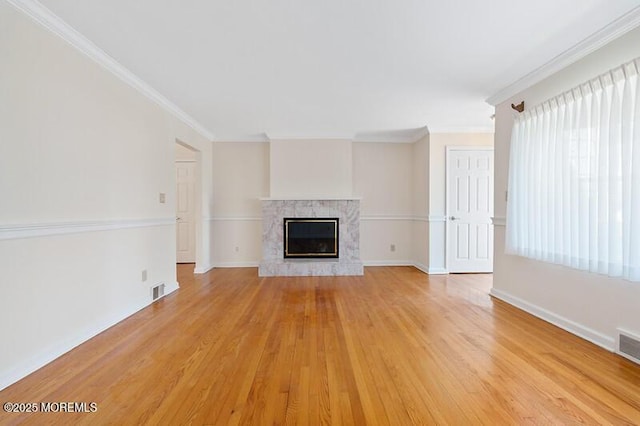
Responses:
[469,209]
[185,212]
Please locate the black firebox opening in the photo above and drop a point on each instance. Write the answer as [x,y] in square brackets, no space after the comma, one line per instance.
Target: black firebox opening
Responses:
[310,237]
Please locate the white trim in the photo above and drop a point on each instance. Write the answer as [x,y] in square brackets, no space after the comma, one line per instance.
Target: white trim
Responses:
[436,218]
[387,263]
[310,198]
[303,137]
[56,25]
[28,366]
[234,219]
[469,148]
[573,327]
[617,28]
[36,362]
[169,288]
[34,230]
[392,136]
[421,267]
[202,269]
[242,264]
[499,221]
[257,138]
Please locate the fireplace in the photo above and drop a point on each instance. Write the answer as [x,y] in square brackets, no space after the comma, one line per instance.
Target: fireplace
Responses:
[274,263]
[311,238]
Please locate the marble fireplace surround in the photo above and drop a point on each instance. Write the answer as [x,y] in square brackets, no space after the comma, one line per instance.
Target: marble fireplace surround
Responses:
[273,213]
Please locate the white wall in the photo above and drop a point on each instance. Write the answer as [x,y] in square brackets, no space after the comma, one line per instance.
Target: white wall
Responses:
[438,143]
[401,186]
[420,231]
[83,158]
[241,178]
[319,168]
[383,177]
[590,305]
[391,178]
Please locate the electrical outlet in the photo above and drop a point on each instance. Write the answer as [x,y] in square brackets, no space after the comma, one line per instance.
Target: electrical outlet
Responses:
[144,275]
[392,247]
[163,198]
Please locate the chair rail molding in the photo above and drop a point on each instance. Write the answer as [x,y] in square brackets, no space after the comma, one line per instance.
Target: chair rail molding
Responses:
[35,230]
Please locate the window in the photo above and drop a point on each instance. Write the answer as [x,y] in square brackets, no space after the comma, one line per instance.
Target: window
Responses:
[574,177]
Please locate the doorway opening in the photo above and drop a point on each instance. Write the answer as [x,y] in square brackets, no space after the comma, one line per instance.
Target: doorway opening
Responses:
[188,203]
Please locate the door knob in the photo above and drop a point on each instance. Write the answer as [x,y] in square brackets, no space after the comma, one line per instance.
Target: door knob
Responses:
[178,219]
[453,218]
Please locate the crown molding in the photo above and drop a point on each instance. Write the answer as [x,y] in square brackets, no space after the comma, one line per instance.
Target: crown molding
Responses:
[617,28]
[56,25]
[393,136]
[461,129]
[258,137]
[309,138]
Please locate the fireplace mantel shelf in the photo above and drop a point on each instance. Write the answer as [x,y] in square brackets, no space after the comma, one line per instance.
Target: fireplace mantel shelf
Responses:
[306,198]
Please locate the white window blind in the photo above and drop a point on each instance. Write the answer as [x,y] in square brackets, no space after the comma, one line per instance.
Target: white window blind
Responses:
[574,177]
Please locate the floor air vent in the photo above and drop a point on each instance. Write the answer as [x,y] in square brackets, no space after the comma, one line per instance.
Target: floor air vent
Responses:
[629,346]
[157,291]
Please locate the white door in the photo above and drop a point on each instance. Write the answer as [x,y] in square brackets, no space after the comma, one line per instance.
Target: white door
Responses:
[469,210]
[185,212]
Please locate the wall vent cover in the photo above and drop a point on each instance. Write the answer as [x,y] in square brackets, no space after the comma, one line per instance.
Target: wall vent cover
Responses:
[157,291]
[628,346]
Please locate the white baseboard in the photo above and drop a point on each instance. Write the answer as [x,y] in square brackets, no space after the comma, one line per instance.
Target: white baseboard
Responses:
[595,337]
[27,367]
[387,263]
[243,264]
[171,287]
[34,363]
[254,264]
[202,269]
[422,267]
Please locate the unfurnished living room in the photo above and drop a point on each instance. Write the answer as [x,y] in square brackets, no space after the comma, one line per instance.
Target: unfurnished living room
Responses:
[320,212]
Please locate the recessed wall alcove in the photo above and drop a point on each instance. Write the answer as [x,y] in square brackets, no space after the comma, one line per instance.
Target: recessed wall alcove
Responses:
[273,213]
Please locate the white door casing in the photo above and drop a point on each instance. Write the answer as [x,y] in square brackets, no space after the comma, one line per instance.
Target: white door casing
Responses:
[469,195]
[185,212]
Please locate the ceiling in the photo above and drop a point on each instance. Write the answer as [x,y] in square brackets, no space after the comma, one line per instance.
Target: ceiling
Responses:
[368,69]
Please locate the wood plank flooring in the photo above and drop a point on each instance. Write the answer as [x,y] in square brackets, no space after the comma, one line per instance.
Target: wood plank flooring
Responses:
[394,347]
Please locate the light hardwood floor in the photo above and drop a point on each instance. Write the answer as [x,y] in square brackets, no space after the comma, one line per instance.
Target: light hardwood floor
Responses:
[393,347]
